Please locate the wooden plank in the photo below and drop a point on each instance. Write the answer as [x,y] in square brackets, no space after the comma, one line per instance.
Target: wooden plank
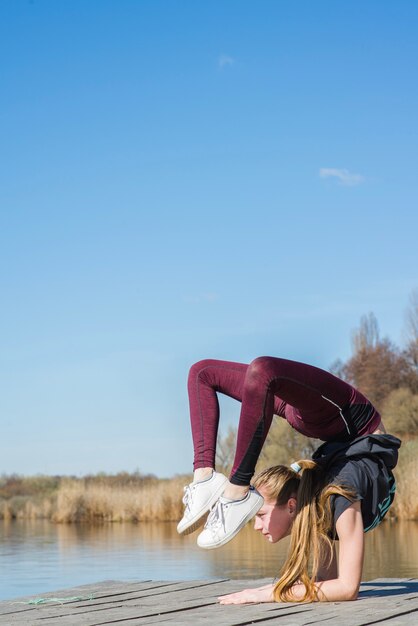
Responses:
[390,602]
[116,599]
[103,594]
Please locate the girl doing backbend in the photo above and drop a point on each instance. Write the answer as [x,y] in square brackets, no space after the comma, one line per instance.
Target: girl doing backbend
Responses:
[344,491]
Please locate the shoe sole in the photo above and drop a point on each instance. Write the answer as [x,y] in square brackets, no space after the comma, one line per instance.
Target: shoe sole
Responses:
[241,525]
[198,520]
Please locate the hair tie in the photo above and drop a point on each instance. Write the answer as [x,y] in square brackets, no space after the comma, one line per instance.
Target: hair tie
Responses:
[296,467]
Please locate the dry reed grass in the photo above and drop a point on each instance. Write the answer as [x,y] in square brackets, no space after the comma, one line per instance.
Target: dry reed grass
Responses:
[132,498]
[81,502]
[87,500]
[405,505]
[24,507]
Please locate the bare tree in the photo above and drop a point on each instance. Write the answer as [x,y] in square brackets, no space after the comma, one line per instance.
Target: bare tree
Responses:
[225,450]
[284,445]
[377,366]
[338,368]
[412,328]
[366,337]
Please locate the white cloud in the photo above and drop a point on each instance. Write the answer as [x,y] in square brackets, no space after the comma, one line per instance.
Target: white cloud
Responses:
[225,60]
[202,297]
[344,176]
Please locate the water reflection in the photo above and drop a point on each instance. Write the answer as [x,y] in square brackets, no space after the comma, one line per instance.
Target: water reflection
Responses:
[38,556]
[392,551]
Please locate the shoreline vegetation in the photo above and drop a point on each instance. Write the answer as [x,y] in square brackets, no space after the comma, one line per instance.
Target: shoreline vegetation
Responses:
[385,373]
[137,498]
[121,497]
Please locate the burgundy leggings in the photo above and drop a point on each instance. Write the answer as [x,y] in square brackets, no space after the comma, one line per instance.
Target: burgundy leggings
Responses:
[313,401]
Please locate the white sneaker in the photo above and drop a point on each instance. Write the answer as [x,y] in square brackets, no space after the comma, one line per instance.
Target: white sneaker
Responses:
[227,518]
[198,499]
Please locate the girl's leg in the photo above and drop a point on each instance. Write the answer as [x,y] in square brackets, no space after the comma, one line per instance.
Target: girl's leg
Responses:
[206,378]
[308,394]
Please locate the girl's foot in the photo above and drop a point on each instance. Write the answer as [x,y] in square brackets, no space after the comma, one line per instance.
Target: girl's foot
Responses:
[198,499]
[235,492]
[202,473]
[227,518]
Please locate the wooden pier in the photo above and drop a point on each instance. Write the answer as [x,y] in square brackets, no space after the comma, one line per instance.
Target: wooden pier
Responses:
[391,602]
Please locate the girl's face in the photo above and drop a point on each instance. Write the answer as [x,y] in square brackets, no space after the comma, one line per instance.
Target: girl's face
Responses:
[273,521]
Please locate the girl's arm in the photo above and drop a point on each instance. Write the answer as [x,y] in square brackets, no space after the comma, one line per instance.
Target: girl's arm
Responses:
[248,596]
[350,562]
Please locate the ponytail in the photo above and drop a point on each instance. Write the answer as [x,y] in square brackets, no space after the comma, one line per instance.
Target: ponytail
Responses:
[309,540]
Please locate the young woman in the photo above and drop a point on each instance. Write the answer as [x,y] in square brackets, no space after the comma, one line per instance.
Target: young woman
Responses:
[315,403]
[344,492]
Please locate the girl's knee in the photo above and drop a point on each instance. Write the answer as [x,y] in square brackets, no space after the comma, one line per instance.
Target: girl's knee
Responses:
[199,368]
[259,372]
[261,366]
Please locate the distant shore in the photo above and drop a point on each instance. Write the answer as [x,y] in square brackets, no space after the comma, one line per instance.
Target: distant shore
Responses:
[135,497]
[99,498]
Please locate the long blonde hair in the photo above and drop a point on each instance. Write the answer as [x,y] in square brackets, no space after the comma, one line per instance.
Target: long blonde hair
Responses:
[309,539]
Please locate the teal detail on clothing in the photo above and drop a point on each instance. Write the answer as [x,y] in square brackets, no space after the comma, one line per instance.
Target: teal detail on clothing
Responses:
[383,508]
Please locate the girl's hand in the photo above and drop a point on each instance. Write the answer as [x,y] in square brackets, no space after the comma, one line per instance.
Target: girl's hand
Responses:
[248,596]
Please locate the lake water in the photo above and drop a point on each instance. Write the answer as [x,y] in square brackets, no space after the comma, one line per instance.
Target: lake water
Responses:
[37,556]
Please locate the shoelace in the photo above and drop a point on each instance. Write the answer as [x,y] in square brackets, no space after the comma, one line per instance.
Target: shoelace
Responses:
[216,517]
[187,497]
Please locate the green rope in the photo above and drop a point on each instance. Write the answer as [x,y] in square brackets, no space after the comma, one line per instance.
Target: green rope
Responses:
[60,600]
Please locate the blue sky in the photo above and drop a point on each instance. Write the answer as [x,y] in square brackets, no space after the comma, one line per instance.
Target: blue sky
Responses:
[182,180]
